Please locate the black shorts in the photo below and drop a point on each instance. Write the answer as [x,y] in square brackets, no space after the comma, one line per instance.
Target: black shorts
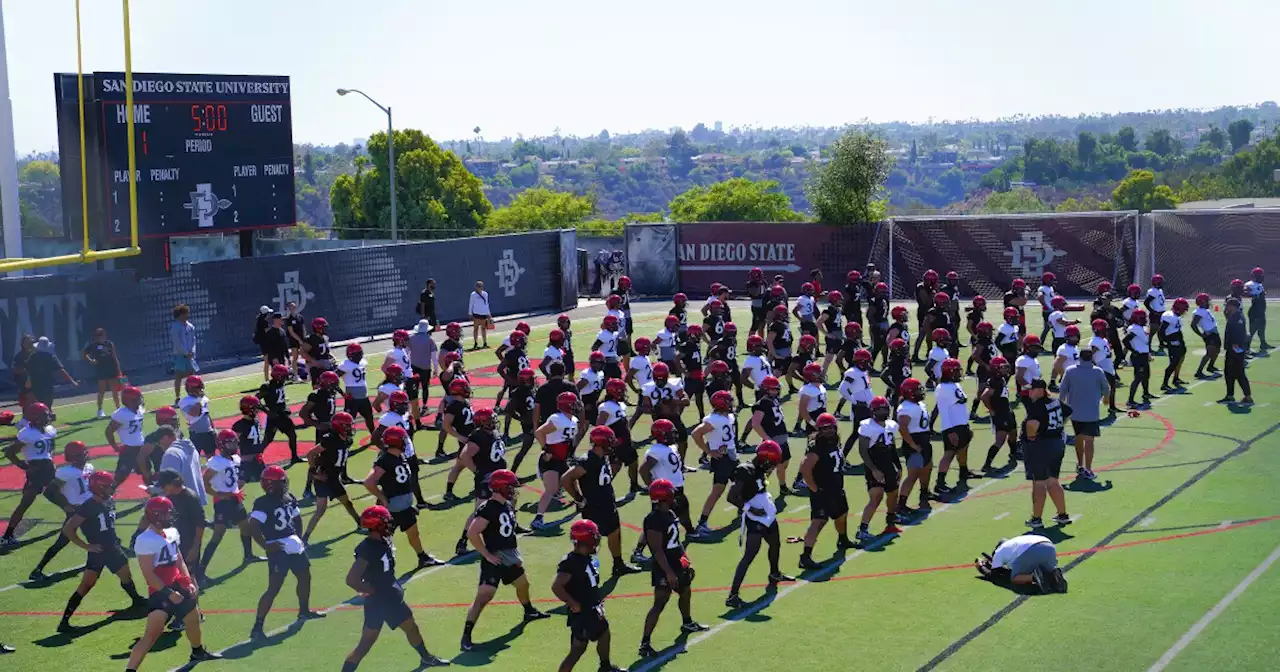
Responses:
[694,387]
[860,412]
[405,519]
[588,625]
[526,422]
[358,406]
[112,558]
[478,316]
[1043,458]
[492,575]
[40,475]
[757,317]
[411,385]
[1087,427]
[179,611]
[127,462]
[722,469]
[612,370]
[389,609]
[785,445]
[1004,421]
[229,512]
[922,458]
[758,528]
[423,383]
[682,432]
[205,442]
[1212,340]
[605,517]
[963,436]
[891,471]
[848,349]
[279,562]
[548,464]
[329,489]
[828,504]
[809,327]
[1057,343]
[626,452]
[833,346]
[107,373]
[781,365]
[659,578]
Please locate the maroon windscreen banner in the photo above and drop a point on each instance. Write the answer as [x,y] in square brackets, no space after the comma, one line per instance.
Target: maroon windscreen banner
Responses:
[726,251]
[988,252]
[1204,250]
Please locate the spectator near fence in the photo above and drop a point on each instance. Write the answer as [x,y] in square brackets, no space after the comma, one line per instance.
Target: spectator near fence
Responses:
[101,353]
[21,379]
[260,326]
[44,368]
[427,304]
[481,316]
[182,336]
[296,328]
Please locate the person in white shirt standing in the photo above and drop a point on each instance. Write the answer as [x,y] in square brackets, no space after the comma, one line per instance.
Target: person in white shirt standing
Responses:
[1205,325]
[1131,302]
[913,427]
[399,354]
[481,315]
[953,417]
[127,420]
[1026,560]
[1104,358]
[662,462]
[1138,343]
[195,408]
[1172,339]
[1026,367]
[1058,321]
[1065,355]
[559,436]
[717,436]
[1155,307]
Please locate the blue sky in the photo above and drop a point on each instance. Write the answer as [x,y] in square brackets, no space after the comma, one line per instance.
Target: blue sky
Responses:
[511,66]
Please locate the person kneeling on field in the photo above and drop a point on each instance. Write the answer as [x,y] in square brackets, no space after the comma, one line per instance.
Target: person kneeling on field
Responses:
[1026,560]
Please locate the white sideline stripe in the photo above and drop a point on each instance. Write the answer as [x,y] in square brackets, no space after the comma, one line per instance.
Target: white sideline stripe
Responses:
[1147,522]
[1213,613]
[1186,390]
[751,611]
[798,508]
[1001,516]
[1225,524]
[29,582]
[273,632]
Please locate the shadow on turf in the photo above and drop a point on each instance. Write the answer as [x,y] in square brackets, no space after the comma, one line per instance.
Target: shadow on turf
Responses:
[52,579]
[167,640]
[241,651]
[1084,486]
[61,639]
[486,652]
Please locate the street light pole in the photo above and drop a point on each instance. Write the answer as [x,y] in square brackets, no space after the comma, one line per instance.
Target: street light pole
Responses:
[391,153]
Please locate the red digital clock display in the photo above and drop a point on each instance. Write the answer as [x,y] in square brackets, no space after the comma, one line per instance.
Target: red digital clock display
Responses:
[208,118]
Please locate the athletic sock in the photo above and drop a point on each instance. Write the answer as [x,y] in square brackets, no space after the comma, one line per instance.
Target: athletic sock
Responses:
[247,542]
[421,648]
[467,628]
[348,667]
[843,539]
[130,589]
[808,552]
[448,488]
[208,553]
[992,452]
[862,527]
[258,623]
[702,521]
[941,481]
[529,608]
[73,603]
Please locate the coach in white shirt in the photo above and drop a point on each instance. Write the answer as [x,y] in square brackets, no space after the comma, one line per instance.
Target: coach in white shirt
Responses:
[1025,560]
[478,306]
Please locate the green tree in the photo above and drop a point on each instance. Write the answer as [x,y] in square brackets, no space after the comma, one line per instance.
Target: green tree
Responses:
[1127,138]
[540,209]
[849,188]
[680,153]
[1139,191]
[734,200]
[1252,171]
[1014,201]
[40,190]
[436,196]
[1088,203]
[308,169]
[1216,138]
[1086,146]
[523,148]
[1240,130]
[1163,143]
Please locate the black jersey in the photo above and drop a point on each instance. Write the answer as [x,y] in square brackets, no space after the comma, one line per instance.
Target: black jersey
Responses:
[249,431]
[492,452]
[878,309]
[834,324]
[464,421]
[924,295]
[828,473]
[319,346]
[584,579]
[720,384]
[397,478]
[568,341]
[691,355]
[521,399]
[780,332]
[99,525]
[1011,298]
[273,396]
[282,516]
[999,386]
[380,564]
[513,360]
[682,315]
[713,326]
[334,451]
[941,318]
[951,289]
[753,481]
[755,290]
[897,369]
[1049,413]
[545,397]
[724,349]
[984,350]
[668,525]
[500,533]
[972,318]
[773,421]
[597,483]
[324,403]
[853,298]
[450,345]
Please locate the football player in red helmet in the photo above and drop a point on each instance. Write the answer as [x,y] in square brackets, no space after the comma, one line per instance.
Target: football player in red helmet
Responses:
[1170,333]
[995,397]
[750,492]
[717,437]
[882,469]
[577,584]
[1205,325]
[390,482]
[225,482]
[823,474]
[1138,342]
[559,436]
[672,569]
[96,517]
[590,483]
[327,463]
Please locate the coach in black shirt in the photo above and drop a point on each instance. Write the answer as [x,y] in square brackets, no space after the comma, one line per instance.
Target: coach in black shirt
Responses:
[1236,346]
[427,303]
[545,399]
[1043,450]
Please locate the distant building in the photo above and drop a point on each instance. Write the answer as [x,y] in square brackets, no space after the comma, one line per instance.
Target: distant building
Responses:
[719,127]
[482,167]
[1231,204]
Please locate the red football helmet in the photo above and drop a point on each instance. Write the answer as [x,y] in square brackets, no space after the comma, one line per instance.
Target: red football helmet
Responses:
[329,380]
[377,519]
[695,331]
[227,443]
[730,328]
[194,386]
[1257,273]
[643,346]
[1058,302]
[754,344]
[459,388]
[614,302]
[526,376]
[166,415]
[453,330]
[1180,306]
[1030,341]
[585,532]
[911,389]
[777,291]
[1011,315]
[1019,284]
[663,431]
[853,331]
[158,511]
[718,368]
[615,389]
[1138,316]
[662,490]
[1157,280]
[556,337]
[768,453]
[942,299]
[671,323]
[504,482]
[680,298]
[343,424]
[1099,326]
[770,385]
[835,298]
[1072,331]
[102,483]
[596,360]
[984,328]
[807,289]
[813,372]
[249,404]
[1001,365]
[899,313]
[518,339]
[603,437]
[953,277]
[563,321]
[567,403]
[880,404]
[881,288]
[524,327]
[399,402]
[780,313]
[76,453]
[661,372]
[484,417]
[609,323]
[1203,300]
[898,345]
[395,436]
[1134,291]
[279,372]
[722,401]
[952,371]
[941,336]
[862,358]
[715,306]
[853,277]
[399,337]
[980,302]
[131,397]
[36,414]
[755,274]
[1048,278]
[826,423]
[355,352]
[1103,287]
[808,342]
[930,277]
[624,283]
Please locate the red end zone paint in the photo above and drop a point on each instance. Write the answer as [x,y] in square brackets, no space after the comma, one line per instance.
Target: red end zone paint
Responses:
[722,589]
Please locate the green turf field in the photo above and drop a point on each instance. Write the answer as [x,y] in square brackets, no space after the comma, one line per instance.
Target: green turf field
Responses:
[1180,517]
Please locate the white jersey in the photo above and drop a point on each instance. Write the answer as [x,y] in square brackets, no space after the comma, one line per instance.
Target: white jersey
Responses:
[1128,306]
[393,419]
[855,386]
[1140,343]
[817,397]
[1011,549]
[760,369]
[1008,333]
[1069,352]
[1254,288]
[1102,355]
[130,431]
[594,380]
[657,394]
[665,342]
[615,411]
[1046,294]
[608,344]
[354,374]
[75,483]
[387,389]
[723,434]
[226,473]
[1208,323]
[1171,327]
[37,444]
[196,411]
[622,319]
[644,370]
[917,416]
[1057,320]
[953,406]
[1032,367]
[666,464]
[1157,299]
[398,356]
[164,549]
[564,429]
[554,354]
[934,366]
[807,307]
[878,433]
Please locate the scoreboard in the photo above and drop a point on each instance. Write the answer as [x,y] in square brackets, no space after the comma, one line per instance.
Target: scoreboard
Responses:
[214,153]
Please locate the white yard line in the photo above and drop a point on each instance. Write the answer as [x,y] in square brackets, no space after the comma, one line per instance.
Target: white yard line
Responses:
[1213,613]
[1147,522]
[1225,524]
[1185,391]
[1001,516]
[26,583]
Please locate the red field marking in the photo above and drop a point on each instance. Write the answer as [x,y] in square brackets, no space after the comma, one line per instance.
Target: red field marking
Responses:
[721,589]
